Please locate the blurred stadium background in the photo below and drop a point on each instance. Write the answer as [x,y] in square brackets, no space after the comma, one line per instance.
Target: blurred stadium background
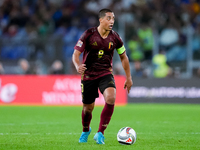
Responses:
[162,39]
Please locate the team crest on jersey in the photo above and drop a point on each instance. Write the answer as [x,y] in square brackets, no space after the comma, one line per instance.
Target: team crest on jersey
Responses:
[79,43]
[110,45]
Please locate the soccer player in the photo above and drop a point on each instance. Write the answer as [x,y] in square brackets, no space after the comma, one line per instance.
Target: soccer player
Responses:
[98,45]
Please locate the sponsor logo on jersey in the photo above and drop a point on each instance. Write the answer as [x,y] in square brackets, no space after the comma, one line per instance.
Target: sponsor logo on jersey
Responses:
[110,45]
[95,44]
[79,43]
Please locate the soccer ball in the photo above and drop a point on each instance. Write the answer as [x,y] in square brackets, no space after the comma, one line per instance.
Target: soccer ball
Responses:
[126,136]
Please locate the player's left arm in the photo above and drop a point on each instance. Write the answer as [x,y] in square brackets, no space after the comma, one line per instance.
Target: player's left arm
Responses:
[125,63]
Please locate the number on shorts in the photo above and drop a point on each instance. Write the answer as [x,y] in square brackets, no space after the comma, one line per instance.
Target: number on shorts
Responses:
[81,87]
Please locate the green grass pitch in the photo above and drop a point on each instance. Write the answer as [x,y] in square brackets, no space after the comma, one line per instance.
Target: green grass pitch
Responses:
[158,127]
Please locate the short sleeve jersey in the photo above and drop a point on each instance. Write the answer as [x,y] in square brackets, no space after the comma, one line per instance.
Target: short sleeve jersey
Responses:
[98,52]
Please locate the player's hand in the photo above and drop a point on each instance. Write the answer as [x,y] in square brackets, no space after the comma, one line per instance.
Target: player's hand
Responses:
[81,68]
[128,84]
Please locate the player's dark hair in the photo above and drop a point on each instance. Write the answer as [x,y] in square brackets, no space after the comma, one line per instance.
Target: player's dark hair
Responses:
[102,12]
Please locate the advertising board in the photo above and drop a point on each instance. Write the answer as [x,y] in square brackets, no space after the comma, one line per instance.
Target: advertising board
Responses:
[165,91]
[50,90]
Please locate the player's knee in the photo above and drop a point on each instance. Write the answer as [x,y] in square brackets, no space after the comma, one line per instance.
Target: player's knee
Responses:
[110,99]
[88,110]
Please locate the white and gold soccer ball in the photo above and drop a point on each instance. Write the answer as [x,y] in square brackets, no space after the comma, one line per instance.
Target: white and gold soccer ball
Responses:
[126,136]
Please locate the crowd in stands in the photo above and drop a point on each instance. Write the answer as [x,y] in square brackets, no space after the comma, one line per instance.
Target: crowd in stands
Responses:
[163,23]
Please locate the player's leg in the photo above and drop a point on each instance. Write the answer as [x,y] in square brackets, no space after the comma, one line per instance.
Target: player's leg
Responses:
[87,116]
[107,87]
[86,119]
[106,114]
[89,93]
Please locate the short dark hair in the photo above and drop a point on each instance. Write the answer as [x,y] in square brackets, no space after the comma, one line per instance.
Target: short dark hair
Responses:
[103,12]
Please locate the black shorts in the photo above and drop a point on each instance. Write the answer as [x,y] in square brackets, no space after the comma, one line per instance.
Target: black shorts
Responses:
[90,88]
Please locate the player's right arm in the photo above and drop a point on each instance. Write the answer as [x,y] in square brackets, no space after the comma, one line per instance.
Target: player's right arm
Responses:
[78,49]
[80,68]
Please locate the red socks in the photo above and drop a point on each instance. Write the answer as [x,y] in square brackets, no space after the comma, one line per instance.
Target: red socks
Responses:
[86,118]
[105,117]
[104,121]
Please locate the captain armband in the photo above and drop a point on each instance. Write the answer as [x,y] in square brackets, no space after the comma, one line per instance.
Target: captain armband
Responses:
[121,50]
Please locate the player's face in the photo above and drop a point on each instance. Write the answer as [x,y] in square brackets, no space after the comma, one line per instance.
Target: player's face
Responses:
[108,21]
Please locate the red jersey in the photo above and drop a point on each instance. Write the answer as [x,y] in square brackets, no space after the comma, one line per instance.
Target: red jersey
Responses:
[98,52]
